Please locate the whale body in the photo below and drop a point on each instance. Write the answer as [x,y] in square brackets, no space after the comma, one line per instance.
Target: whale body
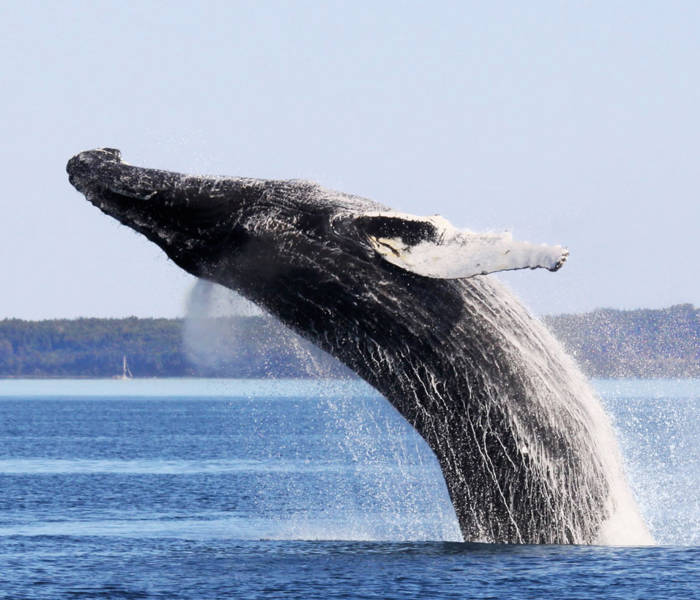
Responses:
[527,452]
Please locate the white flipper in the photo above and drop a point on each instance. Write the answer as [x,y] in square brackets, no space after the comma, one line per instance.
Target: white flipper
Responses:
[446,252]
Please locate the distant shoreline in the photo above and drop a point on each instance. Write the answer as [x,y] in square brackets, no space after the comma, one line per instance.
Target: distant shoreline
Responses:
[203,377]
[152,377]
[607,344]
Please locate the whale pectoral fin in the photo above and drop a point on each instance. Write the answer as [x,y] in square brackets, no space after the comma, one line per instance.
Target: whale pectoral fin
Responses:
[432,247]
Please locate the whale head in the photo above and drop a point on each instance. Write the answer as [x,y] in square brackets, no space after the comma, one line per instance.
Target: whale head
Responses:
[251,233]
[204,224]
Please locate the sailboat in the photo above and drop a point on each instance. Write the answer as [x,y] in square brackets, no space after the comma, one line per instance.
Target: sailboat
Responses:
[126,373]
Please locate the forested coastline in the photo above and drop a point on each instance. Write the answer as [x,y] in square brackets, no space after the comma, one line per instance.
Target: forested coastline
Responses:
[643,343]
[606,343]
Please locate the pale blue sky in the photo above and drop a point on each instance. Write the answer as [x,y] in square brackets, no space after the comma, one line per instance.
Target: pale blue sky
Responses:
[573,123]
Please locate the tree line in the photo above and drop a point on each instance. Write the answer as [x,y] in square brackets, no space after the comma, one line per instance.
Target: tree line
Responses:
[605,342]
[643,343]
[219,347]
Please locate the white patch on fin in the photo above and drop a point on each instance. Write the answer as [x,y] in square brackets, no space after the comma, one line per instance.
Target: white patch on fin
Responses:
[456,254]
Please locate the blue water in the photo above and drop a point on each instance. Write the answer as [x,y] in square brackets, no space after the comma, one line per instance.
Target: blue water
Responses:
[300,489]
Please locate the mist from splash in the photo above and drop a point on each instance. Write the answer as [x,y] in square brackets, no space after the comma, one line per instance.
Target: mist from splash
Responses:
[215,336]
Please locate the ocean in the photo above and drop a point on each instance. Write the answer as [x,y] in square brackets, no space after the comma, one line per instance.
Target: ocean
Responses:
[301,489]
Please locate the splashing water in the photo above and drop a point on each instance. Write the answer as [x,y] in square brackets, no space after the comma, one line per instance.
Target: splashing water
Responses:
[208,343]
[211,337]
[657,422]
[215,339]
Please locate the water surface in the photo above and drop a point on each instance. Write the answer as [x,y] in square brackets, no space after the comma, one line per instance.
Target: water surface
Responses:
[300,489]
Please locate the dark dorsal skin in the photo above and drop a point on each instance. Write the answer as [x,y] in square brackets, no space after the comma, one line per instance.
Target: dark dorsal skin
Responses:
[480,380]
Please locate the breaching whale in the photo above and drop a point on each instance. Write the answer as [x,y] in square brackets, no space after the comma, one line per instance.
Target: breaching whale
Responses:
[527,452]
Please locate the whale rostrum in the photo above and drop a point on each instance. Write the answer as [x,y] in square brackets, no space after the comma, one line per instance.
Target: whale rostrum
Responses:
[527,452]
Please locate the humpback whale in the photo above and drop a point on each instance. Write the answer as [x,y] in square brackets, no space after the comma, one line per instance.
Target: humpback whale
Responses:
[527,452]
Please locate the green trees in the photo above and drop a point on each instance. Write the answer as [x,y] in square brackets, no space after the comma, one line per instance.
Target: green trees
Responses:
[606,343]
[633,343]
[226,347]
[91,348]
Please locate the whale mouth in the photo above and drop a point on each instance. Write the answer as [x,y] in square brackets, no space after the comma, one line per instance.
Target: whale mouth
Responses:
[157,203]
[100,176]
[85,168]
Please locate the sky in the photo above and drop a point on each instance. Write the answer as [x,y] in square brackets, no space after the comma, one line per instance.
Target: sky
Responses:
[565,123]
